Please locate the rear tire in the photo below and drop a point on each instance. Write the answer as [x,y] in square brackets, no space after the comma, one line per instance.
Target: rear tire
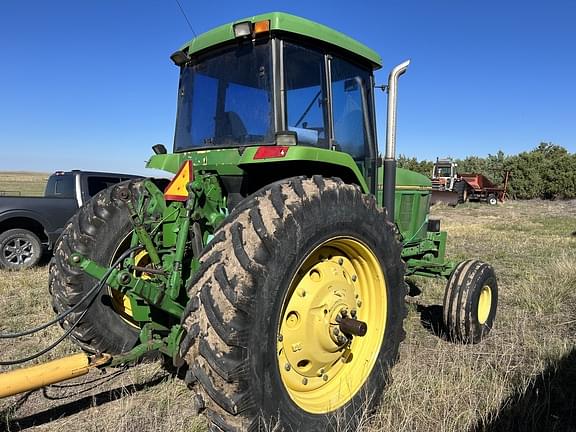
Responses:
[461,188]
[470,301]
[96,231]
[259,263]
[492,200]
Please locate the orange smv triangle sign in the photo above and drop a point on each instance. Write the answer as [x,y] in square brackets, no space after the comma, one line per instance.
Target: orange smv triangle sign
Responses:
[176,190]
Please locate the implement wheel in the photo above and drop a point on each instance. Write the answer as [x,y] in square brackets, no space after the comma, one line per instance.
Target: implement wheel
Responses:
[296,314]
[470,301]
[100,230]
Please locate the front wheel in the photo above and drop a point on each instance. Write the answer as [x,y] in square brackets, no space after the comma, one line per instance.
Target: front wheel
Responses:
[19,249]
[279,306]
[470,301]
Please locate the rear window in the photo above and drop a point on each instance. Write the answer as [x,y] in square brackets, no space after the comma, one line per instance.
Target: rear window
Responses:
[60,186]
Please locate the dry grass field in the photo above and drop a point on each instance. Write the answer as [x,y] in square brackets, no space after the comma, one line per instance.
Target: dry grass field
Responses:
[22,183]
[522,378]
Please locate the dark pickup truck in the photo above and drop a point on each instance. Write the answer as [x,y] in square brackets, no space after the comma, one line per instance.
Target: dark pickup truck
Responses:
[31,225]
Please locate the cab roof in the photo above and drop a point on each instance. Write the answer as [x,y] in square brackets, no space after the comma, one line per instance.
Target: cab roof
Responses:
[288,23]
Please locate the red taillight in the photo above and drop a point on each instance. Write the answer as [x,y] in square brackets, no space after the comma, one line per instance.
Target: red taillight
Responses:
[270,152]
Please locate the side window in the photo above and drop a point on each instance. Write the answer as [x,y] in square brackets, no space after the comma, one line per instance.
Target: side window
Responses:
[305,88]
[350,93]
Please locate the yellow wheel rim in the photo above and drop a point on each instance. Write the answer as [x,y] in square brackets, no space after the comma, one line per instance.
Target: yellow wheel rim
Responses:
[320,371]
[121,303]
[484,304]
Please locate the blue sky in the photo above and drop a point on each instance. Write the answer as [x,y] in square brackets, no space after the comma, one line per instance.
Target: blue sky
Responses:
[90,85]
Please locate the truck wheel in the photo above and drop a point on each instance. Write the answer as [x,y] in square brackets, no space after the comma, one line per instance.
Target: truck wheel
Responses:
[264,340]
[19,249]
[470,301]
[461,188]
[100,230]
[492,200]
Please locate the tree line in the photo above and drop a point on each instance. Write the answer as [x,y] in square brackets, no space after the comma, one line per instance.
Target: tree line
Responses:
[547,172]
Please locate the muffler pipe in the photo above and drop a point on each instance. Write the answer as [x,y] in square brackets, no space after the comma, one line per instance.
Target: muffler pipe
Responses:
[389,188]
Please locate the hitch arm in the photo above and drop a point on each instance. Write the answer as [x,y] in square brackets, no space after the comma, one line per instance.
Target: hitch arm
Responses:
[126,283]
[35,377]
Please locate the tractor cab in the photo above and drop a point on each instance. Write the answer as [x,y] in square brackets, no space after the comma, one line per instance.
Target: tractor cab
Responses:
[444,174]
[272,80]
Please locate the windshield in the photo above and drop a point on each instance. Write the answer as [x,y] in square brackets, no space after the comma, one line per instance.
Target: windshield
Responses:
[443,171]
[225,100]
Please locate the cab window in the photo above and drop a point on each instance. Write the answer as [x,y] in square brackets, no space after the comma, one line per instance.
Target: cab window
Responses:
[305,94]
[351,108]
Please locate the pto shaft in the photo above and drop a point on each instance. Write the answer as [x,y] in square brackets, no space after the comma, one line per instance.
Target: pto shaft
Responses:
[35,377]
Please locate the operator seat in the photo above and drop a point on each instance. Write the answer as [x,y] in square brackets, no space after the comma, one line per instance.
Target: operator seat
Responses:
[231,127]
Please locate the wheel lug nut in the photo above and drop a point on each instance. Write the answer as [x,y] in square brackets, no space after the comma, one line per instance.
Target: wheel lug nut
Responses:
[287,366]
[354,277]
[321,372]
[340,261]
[359,303]
[336,331]
[325,377]
[304,381]
[353,313]
[280,338]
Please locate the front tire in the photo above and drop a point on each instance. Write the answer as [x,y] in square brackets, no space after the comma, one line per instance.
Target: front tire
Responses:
[19,249]
[470,301]
[261,320]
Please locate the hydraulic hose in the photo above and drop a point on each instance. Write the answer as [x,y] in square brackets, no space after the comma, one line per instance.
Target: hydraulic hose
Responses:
[49,347]
[90,295]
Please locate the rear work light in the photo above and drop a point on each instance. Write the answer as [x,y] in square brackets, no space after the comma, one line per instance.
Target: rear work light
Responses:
[243,29]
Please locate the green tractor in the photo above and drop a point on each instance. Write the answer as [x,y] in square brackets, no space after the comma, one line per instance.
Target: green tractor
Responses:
[271,270]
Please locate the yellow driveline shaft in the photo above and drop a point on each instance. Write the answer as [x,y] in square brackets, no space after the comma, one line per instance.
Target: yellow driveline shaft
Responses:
[34,377]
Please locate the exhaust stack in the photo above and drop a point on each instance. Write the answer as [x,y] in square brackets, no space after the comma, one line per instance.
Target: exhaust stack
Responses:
[390,154]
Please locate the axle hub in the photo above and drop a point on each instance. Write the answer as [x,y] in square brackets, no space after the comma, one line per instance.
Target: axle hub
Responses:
[353,327]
